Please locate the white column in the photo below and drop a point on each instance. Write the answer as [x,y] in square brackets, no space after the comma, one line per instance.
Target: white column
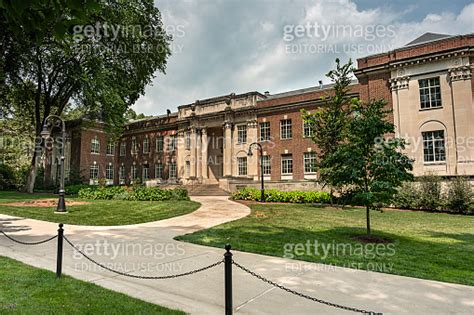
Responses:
[198,155]
[204,153]
[192,171]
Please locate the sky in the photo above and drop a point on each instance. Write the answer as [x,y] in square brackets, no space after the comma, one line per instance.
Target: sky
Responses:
[225,46]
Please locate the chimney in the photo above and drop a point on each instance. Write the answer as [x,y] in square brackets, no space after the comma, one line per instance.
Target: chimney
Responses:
[320,84]
[267,93]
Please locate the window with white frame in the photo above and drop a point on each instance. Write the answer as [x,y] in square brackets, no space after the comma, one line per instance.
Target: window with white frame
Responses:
[159,143]
[286,164]
[265,131]
[110,148]
[159,170]
[123,148]
[146,145]
[134,172]
[134,146]
[173,170]
[187,141]
[146,172]
[173,143]
[430,93]
[266,164]
[109,172]
[242,165]
[94,172]
[309,160]
[434,146]
[285,129]
[307,129]
[122,173]
[241,134]
[95,146]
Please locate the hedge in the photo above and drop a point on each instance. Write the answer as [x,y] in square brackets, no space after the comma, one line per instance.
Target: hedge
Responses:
[273,195]
[132,193]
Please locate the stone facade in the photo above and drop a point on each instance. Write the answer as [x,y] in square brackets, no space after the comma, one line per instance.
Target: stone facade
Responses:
[429,86]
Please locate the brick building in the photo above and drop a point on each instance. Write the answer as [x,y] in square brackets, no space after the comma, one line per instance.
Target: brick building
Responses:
[428,83]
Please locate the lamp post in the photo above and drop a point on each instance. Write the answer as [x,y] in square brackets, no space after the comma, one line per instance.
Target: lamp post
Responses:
[249,153]
[46,133]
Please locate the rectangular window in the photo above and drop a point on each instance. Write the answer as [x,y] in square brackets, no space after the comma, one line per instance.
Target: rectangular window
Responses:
[94,172]
[309,159]
[146,172]
[110,149]
[146,145]
[267,166]
[287,164]
[242,165]
[95,146]
[134,172]
[109,172]
[188,169]
[188,140]
[285,129]
[173,170]
[173,141]
[159,144]
[134,146]
[307,130]
[433,146]
[265,131]
[159,170]
[122,173]
[241,134]
[430,93]
[123,148]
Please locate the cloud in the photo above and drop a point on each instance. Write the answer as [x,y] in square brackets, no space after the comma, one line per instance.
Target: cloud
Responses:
[221,47]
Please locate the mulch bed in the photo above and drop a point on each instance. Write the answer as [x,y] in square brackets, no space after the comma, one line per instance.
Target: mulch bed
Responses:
[44,203]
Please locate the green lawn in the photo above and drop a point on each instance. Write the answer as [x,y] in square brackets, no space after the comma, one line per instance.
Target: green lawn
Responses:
[424,245]
[98,212]
[28,290]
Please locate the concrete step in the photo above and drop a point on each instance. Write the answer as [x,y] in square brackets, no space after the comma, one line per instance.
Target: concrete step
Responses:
[206,190]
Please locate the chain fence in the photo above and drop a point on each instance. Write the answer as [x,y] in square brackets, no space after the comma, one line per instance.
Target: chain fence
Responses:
[279,286]
[28,243]
[227,261]
[139,276]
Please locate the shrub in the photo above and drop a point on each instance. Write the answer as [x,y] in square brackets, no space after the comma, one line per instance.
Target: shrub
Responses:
[74,189]
[7,177]
[273,195]
[430,197]
[407,197]
[138,193]
[460,195]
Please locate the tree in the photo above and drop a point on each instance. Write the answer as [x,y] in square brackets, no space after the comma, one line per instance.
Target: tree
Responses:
[100,55]
[328,124]
[369,162]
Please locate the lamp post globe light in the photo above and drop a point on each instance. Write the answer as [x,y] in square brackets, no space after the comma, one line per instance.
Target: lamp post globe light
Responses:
[45,134]
[249,153]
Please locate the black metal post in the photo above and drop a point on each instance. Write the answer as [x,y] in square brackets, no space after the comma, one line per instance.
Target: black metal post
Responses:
[62,192]
[59,260]
[228,280]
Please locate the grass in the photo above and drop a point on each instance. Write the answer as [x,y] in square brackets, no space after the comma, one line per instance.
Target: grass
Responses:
[28,290]
[98,212]
[435,246]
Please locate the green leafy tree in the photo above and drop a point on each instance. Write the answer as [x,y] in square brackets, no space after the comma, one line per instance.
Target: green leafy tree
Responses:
[99,54]
[369,162]
[328,124]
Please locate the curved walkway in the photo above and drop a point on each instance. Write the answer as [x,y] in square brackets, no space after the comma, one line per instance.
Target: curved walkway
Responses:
[149,249]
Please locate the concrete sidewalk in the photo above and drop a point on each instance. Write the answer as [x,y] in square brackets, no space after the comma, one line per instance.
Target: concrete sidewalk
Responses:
[149,249]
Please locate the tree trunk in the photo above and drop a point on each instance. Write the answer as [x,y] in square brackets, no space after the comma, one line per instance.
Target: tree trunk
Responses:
[367,214]
[30,181]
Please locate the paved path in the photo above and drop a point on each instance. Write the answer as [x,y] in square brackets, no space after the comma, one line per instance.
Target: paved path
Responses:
[149,249]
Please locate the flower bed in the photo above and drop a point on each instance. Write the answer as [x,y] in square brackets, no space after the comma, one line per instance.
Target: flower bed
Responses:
[273,195]
[133,193]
